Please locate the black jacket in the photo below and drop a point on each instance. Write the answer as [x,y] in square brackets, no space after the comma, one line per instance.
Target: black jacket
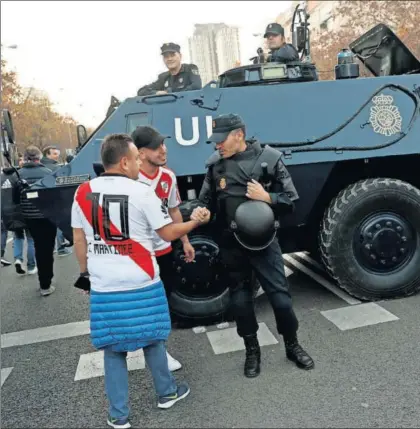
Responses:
[31,172]
[227,179]
[287,53]
[50,163]
[187,79]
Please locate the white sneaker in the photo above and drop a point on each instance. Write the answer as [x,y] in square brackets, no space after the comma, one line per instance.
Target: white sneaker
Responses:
[49,291]
[173,364]
[33,271]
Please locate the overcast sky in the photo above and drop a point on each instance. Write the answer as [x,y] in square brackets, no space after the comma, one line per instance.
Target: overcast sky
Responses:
[97,49]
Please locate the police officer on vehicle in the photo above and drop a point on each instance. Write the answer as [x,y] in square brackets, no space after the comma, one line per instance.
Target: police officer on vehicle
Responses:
[179,77]
[246,220]
[280,51]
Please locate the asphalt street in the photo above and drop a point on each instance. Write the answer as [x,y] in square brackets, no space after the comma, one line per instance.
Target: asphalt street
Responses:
[366,356]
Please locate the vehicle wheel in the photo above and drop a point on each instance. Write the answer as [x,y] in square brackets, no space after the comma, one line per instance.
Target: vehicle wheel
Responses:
[201,293]
[199,290]
[370,239]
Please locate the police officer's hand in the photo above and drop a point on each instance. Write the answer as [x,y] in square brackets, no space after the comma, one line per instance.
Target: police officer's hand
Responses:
[255,191]
[161,92]
[201,215]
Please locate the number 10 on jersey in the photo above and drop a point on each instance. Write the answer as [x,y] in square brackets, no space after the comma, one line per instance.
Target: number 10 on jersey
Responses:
[109,231]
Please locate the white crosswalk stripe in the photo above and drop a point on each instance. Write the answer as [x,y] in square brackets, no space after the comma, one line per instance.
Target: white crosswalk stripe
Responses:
[92,364]
[5,372]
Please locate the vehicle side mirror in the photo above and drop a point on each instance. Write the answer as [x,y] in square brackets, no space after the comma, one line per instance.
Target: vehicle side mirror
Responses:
[81,135]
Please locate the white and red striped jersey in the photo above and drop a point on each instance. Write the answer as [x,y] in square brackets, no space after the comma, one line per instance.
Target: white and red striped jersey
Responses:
[119,217]
[165,186]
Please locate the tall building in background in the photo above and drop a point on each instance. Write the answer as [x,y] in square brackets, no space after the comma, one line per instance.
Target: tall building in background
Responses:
[214,48]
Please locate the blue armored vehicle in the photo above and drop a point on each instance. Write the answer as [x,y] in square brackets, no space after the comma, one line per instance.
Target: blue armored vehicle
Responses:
[352,146]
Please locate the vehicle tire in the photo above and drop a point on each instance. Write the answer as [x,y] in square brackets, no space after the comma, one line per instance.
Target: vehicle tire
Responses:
[200,292]
[370,239]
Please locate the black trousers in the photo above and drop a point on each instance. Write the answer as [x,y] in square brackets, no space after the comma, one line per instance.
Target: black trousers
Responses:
[268,266]
[165,263]
[43,232]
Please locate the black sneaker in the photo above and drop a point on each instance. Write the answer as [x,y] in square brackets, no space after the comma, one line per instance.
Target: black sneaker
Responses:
[18,267]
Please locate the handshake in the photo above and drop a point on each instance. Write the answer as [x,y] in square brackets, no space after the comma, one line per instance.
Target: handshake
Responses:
[200,215]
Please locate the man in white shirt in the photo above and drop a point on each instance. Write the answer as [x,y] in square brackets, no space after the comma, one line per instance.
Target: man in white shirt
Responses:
[154,172]
[114,219]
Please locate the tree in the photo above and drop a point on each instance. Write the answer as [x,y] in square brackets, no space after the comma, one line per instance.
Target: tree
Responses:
[34,118]
[353,18]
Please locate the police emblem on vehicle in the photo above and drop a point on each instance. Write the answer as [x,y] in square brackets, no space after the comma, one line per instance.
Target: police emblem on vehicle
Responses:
[222,183]
[385,118]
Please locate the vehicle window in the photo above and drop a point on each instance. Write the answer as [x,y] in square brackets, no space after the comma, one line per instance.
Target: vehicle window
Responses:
[137,120]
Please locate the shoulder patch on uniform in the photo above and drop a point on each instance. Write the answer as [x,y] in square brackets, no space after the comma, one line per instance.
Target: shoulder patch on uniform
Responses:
[194,69]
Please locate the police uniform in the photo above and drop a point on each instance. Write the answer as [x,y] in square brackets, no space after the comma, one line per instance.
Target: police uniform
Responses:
[187,79]
[287,53]
[223,191]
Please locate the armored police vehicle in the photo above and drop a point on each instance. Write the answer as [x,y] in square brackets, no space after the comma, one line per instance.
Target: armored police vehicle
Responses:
[352,146]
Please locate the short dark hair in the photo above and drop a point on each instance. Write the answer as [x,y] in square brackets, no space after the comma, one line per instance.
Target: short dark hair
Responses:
[32,153]
[113,148]
[47,150]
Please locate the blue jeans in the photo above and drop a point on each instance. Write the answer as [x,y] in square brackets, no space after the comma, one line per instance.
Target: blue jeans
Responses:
[116,377]
[60,241]
[19,239]
[4,234]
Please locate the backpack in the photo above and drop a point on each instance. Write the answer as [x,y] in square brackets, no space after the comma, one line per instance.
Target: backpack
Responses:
[11,188]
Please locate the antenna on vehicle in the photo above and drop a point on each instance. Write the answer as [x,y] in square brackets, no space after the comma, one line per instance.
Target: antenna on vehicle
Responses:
[301,33]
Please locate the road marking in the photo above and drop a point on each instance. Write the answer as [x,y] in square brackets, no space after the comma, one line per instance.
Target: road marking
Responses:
[358,316]
[91,365]
[48,333]
[323,282]
[305,256]
[5,372]
[228,340]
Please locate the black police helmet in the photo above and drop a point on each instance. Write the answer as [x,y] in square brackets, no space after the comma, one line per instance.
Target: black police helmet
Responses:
[254,225]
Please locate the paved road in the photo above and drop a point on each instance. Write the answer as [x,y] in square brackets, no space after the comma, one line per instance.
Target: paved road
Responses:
[366,358]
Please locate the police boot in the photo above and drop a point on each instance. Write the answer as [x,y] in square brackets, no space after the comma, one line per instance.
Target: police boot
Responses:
[253,356]
[296,354]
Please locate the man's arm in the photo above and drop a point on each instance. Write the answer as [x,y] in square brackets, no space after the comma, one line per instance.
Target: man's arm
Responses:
[80,247]
[176,216]
[79,237]
[285,53]
[206,195]
[173,231]
[159,219]
[152,88]
[283,192]
[195,79]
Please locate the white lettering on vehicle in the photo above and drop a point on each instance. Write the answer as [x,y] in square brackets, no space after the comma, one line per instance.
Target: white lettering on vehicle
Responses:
[196,131]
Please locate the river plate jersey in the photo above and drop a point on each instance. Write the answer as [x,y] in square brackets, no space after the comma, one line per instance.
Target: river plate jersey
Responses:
[165,186]
[119,217]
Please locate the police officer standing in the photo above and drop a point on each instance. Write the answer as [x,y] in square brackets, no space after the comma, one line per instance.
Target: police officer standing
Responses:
[280,51]
[179,77]
[246,220]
